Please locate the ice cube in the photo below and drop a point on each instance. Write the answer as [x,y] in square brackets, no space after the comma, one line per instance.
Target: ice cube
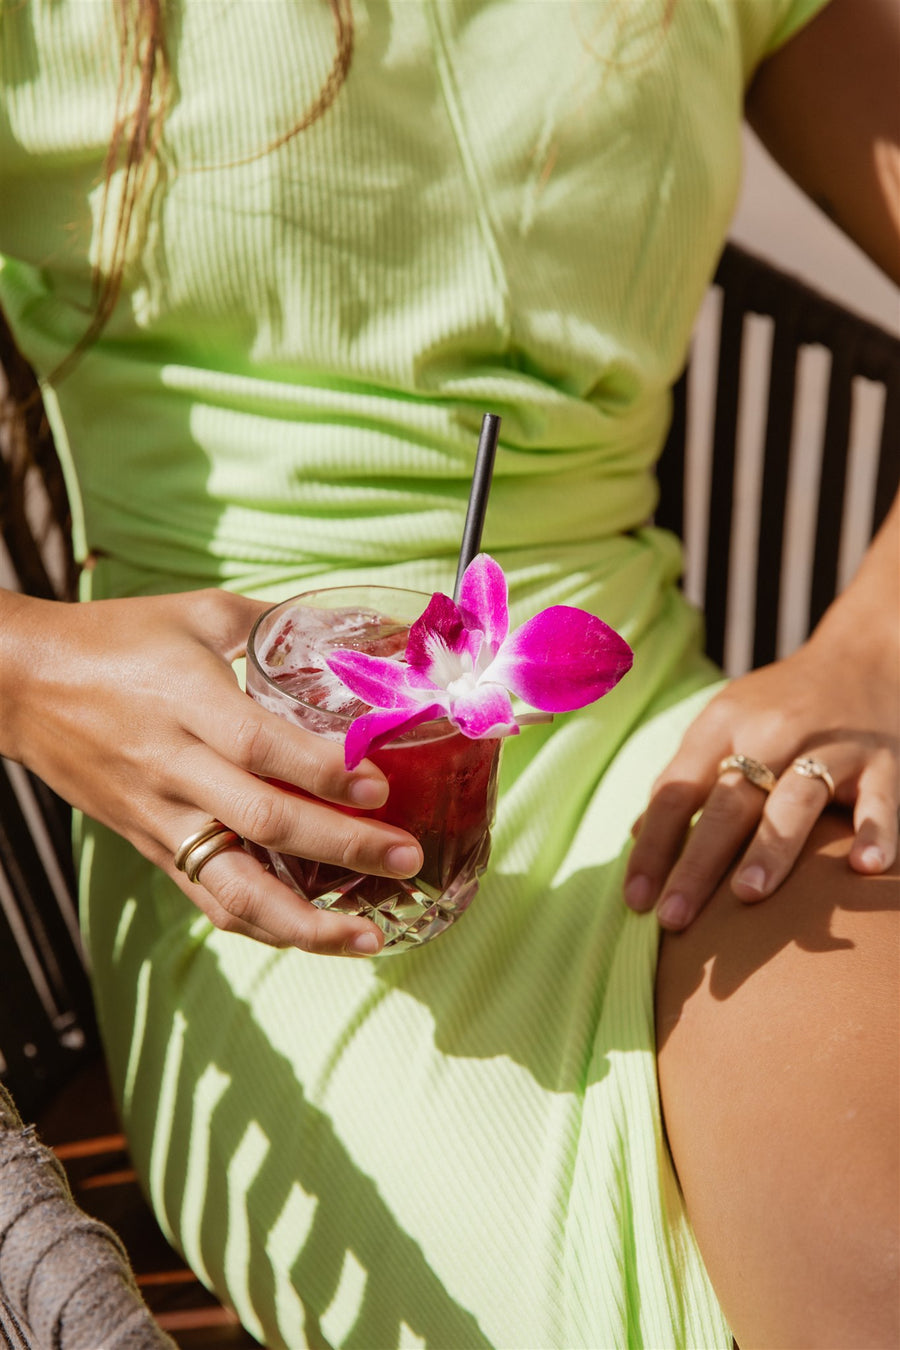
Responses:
[321,689]
[295,656]
[376,636]
[299,643]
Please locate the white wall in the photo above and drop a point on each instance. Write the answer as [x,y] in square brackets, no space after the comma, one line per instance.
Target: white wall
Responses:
[775,219]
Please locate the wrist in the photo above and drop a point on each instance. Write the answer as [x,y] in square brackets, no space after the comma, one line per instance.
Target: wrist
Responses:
[863,623]
[21,618]
[862,630]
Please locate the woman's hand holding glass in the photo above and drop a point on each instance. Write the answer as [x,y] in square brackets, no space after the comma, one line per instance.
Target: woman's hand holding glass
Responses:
[130,709]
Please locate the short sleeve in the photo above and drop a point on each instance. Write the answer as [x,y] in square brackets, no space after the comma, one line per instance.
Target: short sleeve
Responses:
[765,25]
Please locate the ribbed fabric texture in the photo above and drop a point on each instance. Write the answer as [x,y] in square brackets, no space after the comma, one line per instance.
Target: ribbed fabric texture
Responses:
[512,207]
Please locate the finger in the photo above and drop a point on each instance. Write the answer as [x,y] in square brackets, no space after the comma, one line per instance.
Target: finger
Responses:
[731,811]
[659,836]
[288,821]
[789,814]
[875,819]
[249,897]
[199,895]
[238,895]
[269,746]
[219,916]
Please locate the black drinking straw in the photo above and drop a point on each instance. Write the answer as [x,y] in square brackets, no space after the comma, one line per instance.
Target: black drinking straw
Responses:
[478,495]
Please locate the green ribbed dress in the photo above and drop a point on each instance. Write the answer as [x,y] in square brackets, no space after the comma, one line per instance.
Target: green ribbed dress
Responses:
[512,205]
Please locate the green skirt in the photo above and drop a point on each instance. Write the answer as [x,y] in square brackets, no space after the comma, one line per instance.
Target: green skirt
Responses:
[458,1146]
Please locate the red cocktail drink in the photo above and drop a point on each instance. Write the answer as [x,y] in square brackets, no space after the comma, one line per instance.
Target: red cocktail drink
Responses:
[443,785]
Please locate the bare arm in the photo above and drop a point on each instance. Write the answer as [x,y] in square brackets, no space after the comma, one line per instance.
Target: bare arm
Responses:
[827,105]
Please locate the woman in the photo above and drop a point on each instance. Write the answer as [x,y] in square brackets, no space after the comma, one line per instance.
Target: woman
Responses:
[503,206]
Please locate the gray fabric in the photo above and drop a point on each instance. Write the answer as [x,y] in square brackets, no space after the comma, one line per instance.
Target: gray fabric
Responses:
[65,1279]
[14,1335]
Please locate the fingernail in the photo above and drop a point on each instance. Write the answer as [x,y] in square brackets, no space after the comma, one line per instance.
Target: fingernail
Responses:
[402,859]
[674,911]
[368,792]
[639,894]
[873,857]
[364,944]
[753,878]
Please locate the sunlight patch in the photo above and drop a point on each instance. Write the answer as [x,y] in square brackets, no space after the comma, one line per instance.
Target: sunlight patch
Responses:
[341,1314]
[287,1238]
[243,1168]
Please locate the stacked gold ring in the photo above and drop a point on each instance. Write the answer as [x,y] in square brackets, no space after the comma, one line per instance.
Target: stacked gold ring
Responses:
[204,844]
[757,773]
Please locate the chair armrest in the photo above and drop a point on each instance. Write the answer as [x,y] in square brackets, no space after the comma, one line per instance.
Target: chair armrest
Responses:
[65,1280]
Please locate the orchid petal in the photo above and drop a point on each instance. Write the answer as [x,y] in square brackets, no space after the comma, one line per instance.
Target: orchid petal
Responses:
[373,729]
[440,646]
[483,598]
[561,659]
[484,711]
[377,680]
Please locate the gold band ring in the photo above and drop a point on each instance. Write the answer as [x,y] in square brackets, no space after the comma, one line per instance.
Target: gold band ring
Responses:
[808,767]
[755,772]
[207,831]
[204,844]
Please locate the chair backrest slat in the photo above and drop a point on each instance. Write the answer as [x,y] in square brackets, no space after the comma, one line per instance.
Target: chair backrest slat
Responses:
[721,497]
[670,470]
[833,478]
[774,491]
[889,449]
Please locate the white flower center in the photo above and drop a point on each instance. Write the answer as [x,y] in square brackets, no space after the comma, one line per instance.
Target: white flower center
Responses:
[447,666]
[463,684]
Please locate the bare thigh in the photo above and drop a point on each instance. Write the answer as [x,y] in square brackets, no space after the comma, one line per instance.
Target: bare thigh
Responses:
[779,1062]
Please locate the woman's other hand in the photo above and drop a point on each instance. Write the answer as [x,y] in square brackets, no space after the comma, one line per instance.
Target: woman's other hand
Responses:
[130,710]
[835,701]
[825,106]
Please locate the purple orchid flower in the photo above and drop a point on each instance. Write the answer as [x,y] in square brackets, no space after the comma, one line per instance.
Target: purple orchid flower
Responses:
[463,663]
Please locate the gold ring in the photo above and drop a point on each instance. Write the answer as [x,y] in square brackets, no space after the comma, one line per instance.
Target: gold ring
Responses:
[204,844]
[755,772]
[808,767]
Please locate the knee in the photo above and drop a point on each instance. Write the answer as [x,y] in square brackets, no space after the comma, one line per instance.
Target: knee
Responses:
[778,1063]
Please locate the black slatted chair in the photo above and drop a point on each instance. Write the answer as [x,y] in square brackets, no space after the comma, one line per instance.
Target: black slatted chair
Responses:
[801,319]
[49,1055]
[47,1024]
